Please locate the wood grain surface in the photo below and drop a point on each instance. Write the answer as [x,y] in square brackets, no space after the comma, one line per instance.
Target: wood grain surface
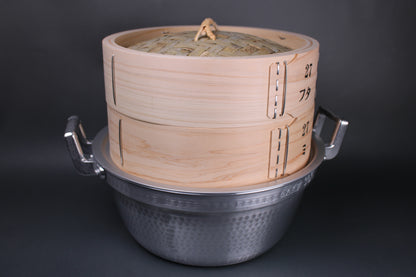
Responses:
[209,157]
[208,92]
[210,121]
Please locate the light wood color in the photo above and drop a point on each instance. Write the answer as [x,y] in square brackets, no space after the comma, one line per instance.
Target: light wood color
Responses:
[209,157]
[208,92]
[205,29]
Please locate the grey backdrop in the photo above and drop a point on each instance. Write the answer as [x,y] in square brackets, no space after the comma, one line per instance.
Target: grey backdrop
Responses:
[357,218]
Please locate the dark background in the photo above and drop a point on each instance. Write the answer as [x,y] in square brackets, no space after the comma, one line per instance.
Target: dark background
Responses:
[356,219]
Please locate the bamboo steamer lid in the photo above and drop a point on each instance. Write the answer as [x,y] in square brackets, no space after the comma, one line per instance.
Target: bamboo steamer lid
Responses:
[210,113]
[202,91]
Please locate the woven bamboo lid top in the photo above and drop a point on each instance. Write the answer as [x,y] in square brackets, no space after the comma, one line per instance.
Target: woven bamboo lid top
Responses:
[227,44]
[220,44]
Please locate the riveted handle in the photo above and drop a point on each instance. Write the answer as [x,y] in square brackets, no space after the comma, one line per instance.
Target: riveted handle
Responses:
[79,148]
[331,148]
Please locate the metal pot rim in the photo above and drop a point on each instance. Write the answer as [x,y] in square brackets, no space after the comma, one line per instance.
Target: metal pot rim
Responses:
[93,158]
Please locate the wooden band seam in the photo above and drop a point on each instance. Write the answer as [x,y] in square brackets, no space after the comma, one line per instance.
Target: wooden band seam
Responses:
[113,77]
[279,148]
[277,90]
[120,142]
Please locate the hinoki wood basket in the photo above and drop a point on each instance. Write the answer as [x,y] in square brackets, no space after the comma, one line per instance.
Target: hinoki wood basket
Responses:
[210,121]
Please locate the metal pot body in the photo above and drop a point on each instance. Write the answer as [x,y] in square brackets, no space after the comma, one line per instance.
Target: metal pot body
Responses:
[202,226]
[206,239]
[224,235]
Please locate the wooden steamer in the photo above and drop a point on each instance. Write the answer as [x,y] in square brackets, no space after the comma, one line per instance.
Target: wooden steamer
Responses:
[210,121]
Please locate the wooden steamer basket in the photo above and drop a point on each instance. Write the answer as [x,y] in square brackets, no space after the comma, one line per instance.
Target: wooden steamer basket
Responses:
[210,121]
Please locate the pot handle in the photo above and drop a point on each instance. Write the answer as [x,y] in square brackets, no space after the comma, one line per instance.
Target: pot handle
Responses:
[331,148]
[80,150]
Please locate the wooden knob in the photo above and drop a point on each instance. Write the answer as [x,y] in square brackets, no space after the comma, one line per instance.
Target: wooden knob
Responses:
[205,29]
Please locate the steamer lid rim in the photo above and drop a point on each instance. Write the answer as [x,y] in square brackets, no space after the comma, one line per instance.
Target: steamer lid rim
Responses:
[111,41]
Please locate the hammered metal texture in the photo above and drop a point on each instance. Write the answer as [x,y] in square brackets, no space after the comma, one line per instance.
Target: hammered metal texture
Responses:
[206,202]
[206,239]
[204,227]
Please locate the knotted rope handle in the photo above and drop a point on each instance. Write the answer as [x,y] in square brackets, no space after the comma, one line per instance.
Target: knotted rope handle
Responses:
[205,29]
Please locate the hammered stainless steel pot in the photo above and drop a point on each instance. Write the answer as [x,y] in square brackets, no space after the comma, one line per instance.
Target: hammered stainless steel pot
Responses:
[203,227]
